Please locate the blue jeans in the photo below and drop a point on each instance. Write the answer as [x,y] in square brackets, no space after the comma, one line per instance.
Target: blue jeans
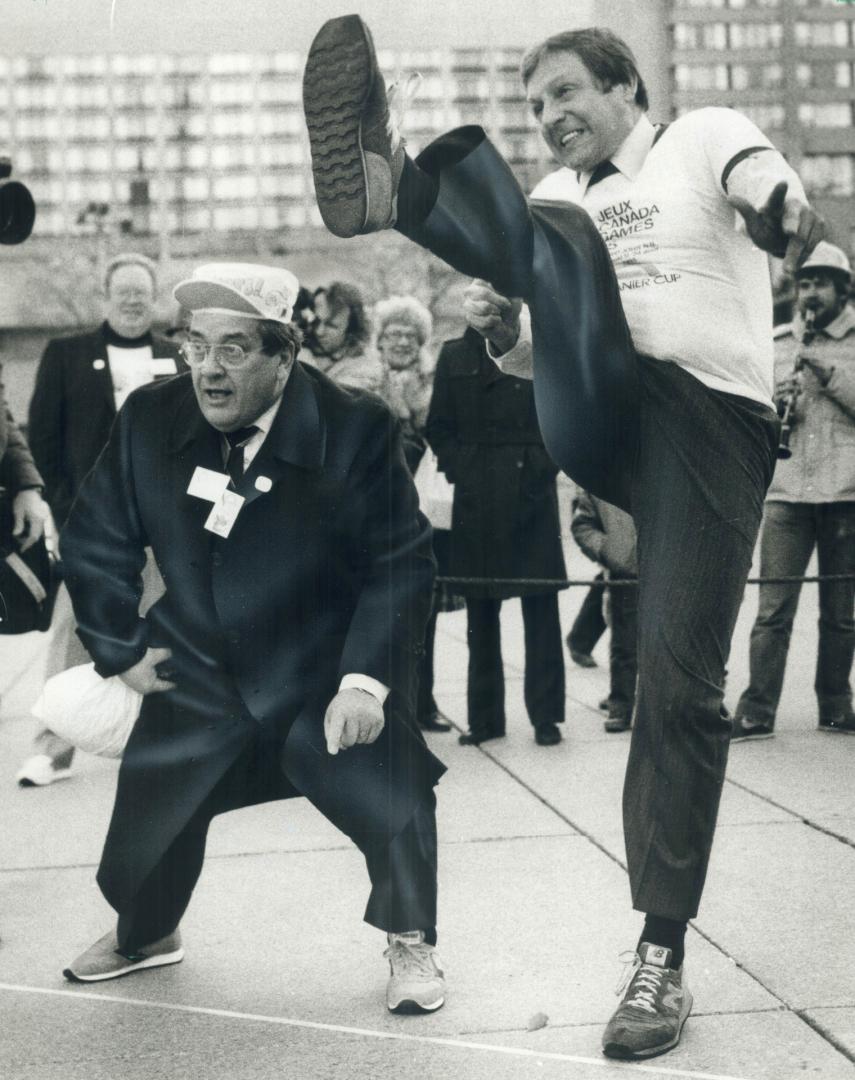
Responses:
[791,531]
[691,464]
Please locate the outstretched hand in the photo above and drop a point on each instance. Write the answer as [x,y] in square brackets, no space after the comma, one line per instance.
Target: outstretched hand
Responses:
[785,227]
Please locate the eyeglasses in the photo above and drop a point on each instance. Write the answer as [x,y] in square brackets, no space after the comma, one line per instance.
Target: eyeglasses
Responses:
[228,356]
[399,335]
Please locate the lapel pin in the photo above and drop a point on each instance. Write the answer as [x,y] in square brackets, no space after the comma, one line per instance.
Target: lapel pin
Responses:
[263,483]
[99,365]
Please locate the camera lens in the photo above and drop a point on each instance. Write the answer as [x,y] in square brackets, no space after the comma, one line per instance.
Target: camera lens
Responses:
[17,212]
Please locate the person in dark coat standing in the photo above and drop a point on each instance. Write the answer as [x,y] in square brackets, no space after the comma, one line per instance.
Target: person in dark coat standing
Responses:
[21,480]
[483,429]
[280,660]
[80,384]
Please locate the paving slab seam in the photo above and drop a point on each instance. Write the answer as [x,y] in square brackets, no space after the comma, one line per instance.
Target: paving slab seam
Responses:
[571,834]
[369,1033]
[570,1025]
[811,824]
[824,1033]
[844,1051]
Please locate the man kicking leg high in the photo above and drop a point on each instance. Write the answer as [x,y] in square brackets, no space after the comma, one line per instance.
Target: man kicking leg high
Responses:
[644,315]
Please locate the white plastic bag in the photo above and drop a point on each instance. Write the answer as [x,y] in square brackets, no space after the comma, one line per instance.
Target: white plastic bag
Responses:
[94,714]
[436,494]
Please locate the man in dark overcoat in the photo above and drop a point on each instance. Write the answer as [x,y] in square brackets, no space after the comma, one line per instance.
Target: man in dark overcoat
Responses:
[81,382]
[279,661]
[483,429]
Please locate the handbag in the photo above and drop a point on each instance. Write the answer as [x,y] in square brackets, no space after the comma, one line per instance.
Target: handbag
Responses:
[95,714]
[436,494]
[28,579]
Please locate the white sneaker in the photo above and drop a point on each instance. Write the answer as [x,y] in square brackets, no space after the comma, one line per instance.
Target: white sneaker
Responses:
[416,982]
[39,771]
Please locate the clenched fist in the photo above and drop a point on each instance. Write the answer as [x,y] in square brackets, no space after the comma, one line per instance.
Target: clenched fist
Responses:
[494,316]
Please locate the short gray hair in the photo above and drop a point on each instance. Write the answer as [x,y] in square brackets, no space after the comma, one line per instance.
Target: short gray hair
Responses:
[130,258]
[405,309]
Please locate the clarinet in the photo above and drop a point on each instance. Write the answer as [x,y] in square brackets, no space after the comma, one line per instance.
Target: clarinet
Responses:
[788,417]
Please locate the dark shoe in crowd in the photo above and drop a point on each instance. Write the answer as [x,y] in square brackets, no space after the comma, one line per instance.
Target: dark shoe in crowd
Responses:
[547,734]
[844,724]
[617,723]
[744,729]
[475,738]
[103,960]
[432,722]
[582,659]
[357,159]
[654,1008]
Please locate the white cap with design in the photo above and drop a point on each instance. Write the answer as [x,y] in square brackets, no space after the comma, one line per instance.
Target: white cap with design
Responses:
[256,292]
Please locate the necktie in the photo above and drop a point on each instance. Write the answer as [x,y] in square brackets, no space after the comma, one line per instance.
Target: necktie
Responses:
[604,169]
[236,441]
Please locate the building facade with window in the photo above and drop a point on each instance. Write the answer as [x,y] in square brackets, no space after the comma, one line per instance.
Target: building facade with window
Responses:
[790,66]
[171,145]
[194,144]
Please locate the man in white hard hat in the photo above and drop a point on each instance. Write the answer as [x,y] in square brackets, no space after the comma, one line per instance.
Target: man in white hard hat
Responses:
[811,502]
[280,660]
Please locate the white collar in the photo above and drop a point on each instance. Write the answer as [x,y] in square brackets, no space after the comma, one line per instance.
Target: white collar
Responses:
[265,422]
[632,152]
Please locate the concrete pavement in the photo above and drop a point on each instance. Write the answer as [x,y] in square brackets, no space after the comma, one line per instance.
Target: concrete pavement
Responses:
[282,979]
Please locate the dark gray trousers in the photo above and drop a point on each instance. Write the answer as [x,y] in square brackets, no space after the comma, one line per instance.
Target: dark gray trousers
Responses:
[403,873]
[692,466]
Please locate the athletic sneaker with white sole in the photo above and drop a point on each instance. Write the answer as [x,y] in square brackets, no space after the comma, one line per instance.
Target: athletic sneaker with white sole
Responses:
[416,982]
[655,1006]
[357,156]
[104,960]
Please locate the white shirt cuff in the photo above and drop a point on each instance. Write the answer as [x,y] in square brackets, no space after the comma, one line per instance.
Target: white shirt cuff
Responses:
[366,683]
[518,360]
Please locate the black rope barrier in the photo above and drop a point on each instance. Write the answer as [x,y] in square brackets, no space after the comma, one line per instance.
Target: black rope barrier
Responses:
[611,583]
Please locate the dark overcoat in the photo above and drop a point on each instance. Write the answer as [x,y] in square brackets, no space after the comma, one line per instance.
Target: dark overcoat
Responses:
[327,571]
[17,469]
[483,428]
[72,410]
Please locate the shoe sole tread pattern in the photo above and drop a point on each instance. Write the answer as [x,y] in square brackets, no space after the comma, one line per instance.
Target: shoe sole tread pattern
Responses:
[621,1052]
[150,962]
[336,84]
[409,1007]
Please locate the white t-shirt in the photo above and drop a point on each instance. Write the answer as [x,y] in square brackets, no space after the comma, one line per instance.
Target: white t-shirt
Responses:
[694,288]
[129,369]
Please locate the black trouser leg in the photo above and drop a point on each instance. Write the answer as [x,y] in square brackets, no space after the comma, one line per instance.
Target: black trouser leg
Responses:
[586,369]
[161,902]
[836,555]
[544,659]
[623,649]
[425,704]
[403,876]
[589,625]
[706,461]
[486,681]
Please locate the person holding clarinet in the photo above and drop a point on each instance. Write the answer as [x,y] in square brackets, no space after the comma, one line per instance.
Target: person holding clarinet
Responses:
[811,502]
